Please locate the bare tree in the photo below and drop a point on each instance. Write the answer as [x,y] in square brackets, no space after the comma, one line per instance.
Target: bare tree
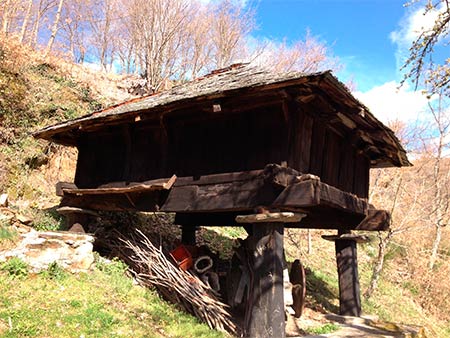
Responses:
[157,30]
[304,55]
[440,179]
[6,9]
[72,32]
[54,28]
[101,15]
[196,53]
[231,23]
[401,192]
[26,20]
[420,64]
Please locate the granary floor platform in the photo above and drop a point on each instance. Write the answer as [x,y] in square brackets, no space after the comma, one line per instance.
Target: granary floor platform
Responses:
[217,199]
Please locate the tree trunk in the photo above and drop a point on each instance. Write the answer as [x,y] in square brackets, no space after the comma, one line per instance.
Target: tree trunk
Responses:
[54,29]
[378,266]
[309,242]
[37,22]
[26,19]
[435,248]
[6,16]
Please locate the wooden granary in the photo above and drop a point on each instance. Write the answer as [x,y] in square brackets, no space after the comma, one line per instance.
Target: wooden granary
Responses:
[235,144]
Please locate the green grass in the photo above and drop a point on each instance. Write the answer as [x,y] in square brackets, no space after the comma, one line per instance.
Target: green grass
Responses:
[324,329]
[47,220]
[15,267]
[7,234]
[221,239]
[103,303]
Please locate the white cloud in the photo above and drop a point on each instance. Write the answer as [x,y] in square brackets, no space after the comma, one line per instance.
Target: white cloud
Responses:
[389,103]
[410,27]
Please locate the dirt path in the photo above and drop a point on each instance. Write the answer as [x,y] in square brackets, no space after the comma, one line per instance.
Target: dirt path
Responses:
[367,327]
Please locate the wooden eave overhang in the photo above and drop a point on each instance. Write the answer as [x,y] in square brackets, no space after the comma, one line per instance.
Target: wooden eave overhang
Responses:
[321,90]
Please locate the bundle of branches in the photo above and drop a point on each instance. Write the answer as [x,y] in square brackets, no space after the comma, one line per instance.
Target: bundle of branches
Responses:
[152,268]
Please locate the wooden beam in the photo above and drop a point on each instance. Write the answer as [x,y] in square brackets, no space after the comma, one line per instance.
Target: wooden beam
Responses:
[240,195]
[272,217]
[148,201]
[317,218]
[379,220]
[218,199]
[266,313]
[313,192]
[274,173]
[123,188]
[188,234]
[60,186]
[348,236]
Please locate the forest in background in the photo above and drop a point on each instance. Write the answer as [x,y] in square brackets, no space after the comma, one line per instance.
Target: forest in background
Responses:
[160,40]
[177,40]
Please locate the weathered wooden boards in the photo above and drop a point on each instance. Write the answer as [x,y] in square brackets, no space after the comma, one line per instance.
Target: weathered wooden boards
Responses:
[273,187]
[217,199]
[122,187]
[283,217]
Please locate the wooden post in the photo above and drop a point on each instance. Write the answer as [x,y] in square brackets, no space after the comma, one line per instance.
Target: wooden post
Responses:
[267,318]
[347,266]
[188,234]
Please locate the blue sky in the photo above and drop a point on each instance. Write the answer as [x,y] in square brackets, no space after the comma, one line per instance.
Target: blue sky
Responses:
[358,32]
[369,37]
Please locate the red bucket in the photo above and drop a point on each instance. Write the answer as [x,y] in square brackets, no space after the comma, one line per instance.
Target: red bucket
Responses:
[182,257]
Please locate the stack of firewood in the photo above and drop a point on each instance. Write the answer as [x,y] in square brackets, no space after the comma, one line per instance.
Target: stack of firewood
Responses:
[152,268]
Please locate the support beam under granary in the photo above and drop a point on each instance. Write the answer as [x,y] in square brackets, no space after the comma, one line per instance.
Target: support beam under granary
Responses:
[265,311]
[347,267]
[188,234]
[265,316]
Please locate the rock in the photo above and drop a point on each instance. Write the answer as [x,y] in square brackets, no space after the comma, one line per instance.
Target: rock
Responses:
[24,219]
[6,215]
[72,251]
[77,227]
[3,200]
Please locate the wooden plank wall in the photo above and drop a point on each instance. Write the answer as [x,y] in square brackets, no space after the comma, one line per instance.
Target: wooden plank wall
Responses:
[101,158]
[317,149]
[223,142]
[146,158]
[227,142]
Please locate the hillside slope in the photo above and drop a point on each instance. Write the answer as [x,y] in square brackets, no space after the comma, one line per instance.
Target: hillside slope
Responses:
[34,93]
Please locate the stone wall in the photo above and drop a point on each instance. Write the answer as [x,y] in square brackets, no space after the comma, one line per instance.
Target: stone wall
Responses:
[71,251]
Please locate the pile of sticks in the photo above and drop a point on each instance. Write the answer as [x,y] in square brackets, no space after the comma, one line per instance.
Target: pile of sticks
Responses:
[151,268]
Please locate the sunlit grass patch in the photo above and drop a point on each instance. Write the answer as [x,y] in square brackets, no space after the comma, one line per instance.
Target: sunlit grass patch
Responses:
[102,303]
[323,329]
